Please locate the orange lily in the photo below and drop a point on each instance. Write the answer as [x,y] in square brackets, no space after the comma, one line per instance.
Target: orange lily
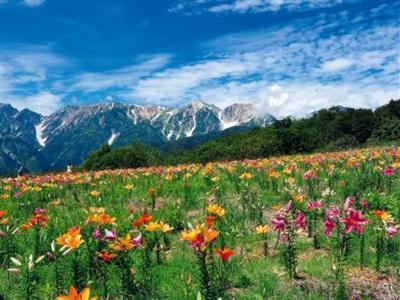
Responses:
[74,295]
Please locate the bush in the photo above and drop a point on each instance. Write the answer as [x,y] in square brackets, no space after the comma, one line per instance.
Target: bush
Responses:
[389,130]
[132,156]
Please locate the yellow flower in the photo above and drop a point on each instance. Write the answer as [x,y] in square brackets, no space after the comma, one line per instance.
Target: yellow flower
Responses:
[290,180]
[101,219]
[4,196]
[165,227]
[128,187]
[246,176]
[190,235]
[56,202]
[351,162]
[298,198]
[274,174]
[4,221]
[152,226]
[263,229]
[97,210]
[207,170]
[216,179]
[383,215]
[94,193]
[276,207]
[216,210]
[187,176]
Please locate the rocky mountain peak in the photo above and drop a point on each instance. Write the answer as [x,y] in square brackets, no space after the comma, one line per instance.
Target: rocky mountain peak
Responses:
[69,134]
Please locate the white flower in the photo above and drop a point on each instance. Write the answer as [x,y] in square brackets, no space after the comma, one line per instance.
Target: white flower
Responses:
[39,259]
[14,270]
[68,251]
[15,261]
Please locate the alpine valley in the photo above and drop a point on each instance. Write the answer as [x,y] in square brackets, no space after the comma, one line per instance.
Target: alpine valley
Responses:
[42,143]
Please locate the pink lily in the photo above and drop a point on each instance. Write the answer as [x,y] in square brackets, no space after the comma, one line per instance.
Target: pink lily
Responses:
[110,235]
[300,220]
[329,226]
[279,222]
[314,205]
[348,203]
[389,171]
[97,234]
[354,220]
[137,241]
[391,231]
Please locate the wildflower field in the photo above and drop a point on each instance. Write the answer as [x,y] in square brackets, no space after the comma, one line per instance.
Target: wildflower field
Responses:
[321,226]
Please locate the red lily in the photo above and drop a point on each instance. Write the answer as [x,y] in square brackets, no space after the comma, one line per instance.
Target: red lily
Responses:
[225,253]
[143,219]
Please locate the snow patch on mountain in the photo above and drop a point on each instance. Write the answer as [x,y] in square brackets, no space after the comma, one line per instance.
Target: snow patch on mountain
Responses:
[39,134]
[190,132]
[112,138]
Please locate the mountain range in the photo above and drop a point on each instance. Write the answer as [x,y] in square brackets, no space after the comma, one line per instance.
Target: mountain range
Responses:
[42,143]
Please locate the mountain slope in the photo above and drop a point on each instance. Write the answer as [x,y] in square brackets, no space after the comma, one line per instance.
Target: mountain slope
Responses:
[68,135]
[18,143]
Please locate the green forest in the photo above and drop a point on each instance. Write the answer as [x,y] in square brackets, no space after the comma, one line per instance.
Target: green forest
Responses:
[332,129]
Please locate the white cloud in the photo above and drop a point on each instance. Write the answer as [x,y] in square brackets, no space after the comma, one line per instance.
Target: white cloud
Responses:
[175,84]
[290,70]
[251,6]
[24,75]
[118,78]
[347,59]
[33,2]
[298,98]
[337,64]
[44,102]
[28,64]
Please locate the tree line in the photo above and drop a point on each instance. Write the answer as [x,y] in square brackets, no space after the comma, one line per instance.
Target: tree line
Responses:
[330,129]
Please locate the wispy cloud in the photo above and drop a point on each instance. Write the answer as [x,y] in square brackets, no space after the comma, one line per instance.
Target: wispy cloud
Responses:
[121,78]
[294,69]
[174,85]
[25,73]
[350,58]
[36,77]
[43,102]
[251,6]
[336,65]
[33,2]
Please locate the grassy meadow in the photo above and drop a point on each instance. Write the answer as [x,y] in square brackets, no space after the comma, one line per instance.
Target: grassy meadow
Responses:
[320,226]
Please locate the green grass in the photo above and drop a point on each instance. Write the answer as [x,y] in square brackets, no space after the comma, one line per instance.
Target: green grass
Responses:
[183,200]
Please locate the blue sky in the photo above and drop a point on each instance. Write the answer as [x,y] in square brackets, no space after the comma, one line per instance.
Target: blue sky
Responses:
[288,57]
